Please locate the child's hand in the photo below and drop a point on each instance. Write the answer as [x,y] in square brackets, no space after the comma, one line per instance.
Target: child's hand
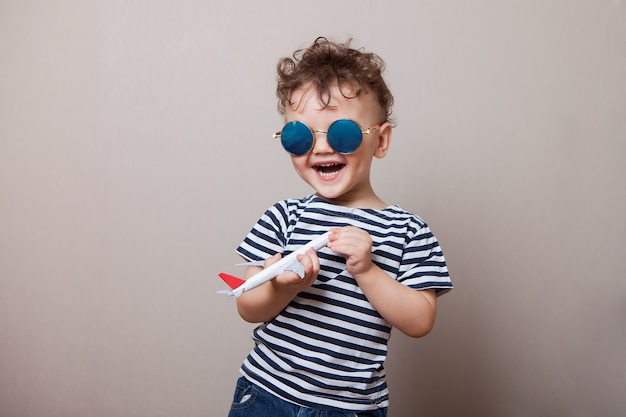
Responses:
[293,281]
[355,245]
[264,303]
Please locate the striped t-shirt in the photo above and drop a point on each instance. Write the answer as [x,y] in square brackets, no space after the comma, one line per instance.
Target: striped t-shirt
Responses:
[327,347]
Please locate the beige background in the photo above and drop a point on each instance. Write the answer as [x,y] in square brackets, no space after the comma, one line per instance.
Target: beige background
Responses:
[136,151]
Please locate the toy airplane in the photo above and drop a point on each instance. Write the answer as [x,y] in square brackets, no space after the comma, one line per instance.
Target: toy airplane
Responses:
[288,263]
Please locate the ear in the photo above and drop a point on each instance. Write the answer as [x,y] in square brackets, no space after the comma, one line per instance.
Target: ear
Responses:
[384,140]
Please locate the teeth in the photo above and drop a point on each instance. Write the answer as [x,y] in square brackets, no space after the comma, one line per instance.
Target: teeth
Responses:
[328,170]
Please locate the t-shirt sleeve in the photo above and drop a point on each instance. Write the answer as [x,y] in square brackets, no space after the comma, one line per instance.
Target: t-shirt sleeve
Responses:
[267,237]
[423,264]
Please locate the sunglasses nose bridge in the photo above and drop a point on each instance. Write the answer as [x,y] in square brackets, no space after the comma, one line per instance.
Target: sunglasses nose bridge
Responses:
[319,131]
[320,146]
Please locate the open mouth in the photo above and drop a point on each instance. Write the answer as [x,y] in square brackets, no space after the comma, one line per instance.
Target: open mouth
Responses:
[329,170]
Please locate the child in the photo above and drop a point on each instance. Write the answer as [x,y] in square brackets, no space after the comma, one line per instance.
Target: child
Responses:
[324,337]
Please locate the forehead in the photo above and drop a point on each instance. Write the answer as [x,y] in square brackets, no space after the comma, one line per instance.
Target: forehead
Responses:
[345,100]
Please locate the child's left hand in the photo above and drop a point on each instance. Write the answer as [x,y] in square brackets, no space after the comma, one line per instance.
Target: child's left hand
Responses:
[355,245]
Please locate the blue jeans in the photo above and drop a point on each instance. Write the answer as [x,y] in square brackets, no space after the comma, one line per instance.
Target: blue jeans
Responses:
[253,401]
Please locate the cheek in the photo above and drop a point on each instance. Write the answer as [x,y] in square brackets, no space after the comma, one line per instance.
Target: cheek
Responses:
[369,147]
[360,162]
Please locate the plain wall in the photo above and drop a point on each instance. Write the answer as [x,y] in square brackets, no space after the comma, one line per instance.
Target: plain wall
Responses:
[136,152]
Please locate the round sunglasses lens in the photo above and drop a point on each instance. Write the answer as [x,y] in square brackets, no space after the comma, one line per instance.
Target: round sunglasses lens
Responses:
[296,138]
[344,136]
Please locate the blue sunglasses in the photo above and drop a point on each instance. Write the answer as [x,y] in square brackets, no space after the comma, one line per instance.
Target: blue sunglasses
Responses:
[343,135]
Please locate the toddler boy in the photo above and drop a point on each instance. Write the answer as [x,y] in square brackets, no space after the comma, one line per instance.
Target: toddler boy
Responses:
[323,339]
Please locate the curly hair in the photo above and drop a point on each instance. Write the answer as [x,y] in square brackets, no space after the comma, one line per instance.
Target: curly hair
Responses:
[326,64]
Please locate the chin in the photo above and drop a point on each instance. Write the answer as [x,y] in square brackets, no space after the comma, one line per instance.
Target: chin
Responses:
[333,197]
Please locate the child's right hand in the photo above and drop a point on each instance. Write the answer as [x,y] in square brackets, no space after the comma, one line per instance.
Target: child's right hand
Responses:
[264,302]
[292,281]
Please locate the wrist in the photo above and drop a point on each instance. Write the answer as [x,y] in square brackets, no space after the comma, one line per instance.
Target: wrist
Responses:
[366,273]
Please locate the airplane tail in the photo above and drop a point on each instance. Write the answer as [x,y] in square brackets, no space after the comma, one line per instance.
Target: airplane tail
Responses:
[232,281]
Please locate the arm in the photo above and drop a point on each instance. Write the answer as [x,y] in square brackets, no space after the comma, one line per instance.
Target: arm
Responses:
[263,303]
[411,311]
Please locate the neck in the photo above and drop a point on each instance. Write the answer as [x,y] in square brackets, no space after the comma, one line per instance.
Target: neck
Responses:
[369,202]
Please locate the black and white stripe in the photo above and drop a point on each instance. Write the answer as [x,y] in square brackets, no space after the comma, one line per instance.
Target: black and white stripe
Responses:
[327,348]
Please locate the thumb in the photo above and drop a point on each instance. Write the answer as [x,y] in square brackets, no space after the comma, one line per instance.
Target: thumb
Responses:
[272,260]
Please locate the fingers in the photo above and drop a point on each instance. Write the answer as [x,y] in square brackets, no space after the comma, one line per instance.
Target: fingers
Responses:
[272,260]
[315,262]
[355,245]
[311,264]
[349,240]
[288,278]
[285,277]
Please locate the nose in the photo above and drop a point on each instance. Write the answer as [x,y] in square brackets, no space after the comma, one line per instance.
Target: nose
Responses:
[320,145]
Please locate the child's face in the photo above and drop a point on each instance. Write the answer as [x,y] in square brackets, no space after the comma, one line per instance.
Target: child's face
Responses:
[340,178]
